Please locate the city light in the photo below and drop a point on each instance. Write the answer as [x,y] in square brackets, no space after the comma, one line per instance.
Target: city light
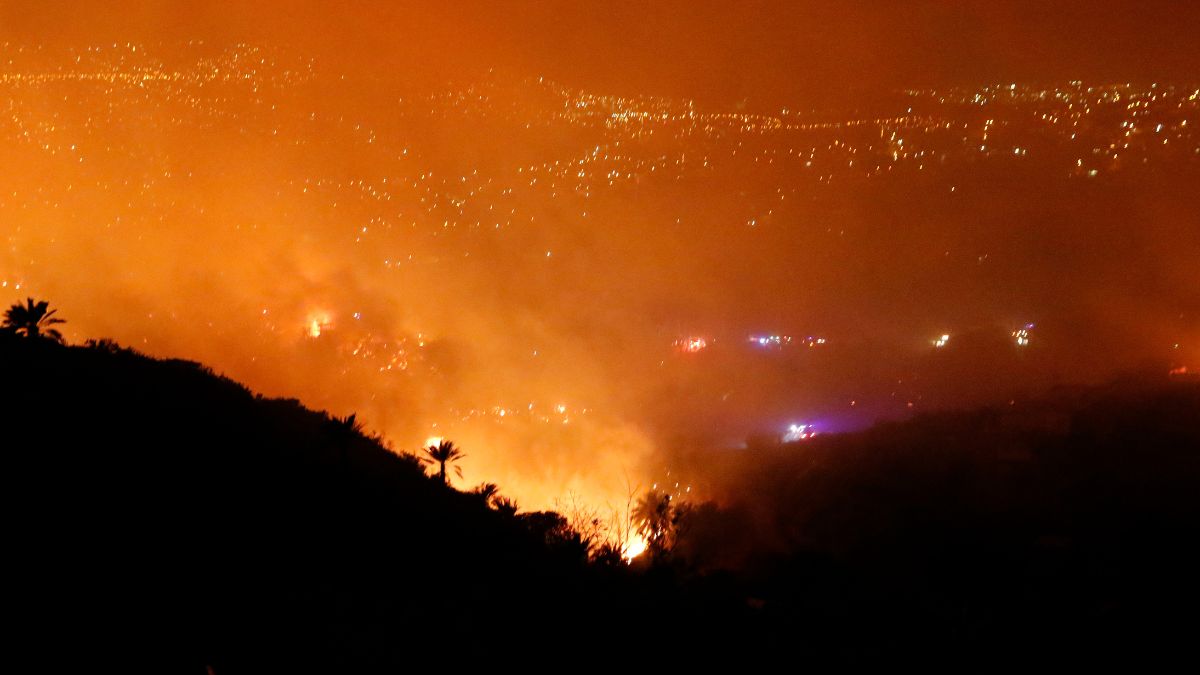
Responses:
[799,432]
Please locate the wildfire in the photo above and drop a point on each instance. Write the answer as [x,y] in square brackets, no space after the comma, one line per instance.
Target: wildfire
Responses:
[317,323]
[634,546]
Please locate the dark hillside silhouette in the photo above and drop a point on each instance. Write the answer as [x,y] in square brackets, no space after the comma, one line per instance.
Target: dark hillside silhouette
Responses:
[158,510]
[1065,525]
[163,507]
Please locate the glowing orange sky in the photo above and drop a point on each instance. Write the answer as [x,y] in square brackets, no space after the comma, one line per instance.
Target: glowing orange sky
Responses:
[501,217]
[681,47]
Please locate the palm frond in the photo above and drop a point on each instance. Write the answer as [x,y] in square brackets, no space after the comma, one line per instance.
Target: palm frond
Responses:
[32,320]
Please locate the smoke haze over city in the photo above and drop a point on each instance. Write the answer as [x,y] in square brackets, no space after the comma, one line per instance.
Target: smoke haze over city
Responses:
[584,240]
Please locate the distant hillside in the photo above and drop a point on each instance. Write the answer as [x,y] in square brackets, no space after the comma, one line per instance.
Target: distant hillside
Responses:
[1065,524]
[159,511]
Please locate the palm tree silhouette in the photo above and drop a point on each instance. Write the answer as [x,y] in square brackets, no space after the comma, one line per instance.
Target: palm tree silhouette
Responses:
[489,494]
[486,492]
[659,521]
[442,454]
[505,505]
[33,320]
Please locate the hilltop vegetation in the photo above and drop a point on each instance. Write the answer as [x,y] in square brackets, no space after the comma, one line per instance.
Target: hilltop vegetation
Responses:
[158,509]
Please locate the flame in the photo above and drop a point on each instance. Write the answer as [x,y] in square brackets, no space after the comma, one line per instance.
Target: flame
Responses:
[317,323]
[634,546]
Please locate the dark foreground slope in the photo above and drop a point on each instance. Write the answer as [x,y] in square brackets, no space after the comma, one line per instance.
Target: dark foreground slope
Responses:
[158,512]
[157,509]
[1064,528]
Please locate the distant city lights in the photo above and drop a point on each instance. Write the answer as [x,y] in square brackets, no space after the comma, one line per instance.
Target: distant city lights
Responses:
[1022,335]
[770,340]
[378,223]
[691,345]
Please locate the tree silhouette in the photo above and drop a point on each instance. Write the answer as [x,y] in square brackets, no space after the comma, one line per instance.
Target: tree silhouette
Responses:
[487,490]
[555,531]
[442,454]
[33,320]
[505,505]
[660,522]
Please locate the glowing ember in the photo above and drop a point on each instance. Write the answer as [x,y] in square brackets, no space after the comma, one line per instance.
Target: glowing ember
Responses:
[941,342]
